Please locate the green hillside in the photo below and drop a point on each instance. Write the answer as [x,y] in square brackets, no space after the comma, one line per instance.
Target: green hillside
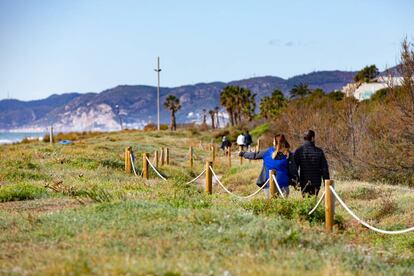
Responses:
[74,210]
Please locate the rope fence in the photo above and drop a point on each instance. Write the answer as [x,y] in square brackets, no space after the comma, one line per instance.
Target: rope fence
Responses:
[329,193]
[278,187]
[155,170]
[233,194]
[317,204]
[133,163]
[191,181]
[389,232]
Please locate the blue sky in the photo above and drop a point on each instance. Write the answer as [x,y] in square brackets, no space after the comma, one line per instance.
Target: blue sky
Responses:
[57,46]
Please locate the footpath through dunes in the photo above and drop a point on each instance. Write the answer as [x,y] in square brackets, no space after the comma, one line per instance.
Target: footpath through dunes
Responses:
[74,209]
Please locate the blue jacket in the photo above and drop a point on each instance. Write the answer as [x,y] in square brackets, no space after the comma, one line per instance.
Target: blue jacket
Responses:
[286,169]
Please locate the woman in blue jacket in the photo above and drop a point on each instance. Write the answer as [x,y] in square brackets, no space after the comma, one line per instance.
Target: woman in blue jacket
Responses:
[277,158]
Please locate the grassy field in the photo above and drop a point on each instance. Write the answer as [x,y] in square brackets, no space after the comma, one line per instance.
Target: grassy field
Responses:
[73,210]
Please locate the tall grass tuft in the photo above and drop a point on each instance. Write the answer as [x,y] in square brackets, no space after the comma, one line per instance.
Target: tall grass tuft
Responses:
[21,191]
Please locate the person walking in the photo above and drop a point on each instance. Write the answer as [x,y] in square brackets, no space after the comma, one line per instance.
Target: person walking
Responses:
[277,158]
[312,165]
[241,141]
[248,140]
[225,145]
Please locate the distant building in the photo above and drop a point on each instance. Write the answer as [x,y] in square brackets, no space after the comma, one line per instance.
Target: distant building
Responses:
[364,91]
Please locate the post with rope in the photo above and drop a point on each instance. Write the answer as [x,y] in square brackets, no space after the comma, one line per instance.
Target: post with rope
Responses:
[190,157]
[229,156]
[258,145]
[156,158]
[145,173]
[272,184]
[167,156]
[128,164]
[162,156]
[209,178]
[241,157]
[329,206]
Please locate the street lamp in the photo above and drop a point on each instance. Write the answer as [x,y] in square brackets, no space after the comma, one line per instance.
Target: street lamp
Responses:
[119,115]
[158,70]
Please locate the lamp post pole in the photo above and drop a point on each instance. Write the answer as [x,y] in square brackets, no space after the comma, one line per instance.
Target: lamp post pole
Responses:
[158,70]
[119,115]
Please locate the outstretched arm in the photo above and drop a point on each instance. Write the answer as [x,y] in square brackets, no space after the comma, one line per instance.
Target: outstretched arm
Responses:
[254,155]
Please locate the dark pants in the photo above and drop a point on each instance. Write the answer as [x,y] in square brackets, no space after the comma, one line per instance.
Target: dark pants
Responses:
[309,189]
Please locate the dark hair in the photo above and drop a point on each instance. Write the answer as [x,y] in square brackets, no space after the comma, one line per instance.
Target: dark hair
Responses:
[309,135]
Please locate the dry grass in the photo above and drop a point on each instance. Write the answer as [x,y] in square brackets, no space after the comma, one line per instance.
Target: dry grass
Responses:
[153,227]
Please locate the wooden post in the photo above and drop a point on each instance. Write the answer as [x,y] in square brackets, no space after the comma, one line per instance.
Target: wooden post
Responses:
[167,156]
[51,135]
[329,206]
[190,157]
[126,159]
[128,164]
[258,145]
[209,178]
[156,158]
[213,153]
[241,157]
[229,156]
[272,184]
[162,156]
[145,173]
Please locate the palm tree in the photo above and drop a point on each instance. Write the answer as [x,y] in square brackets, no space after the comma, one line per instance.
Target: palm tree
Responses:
[212,113]
[173,104]
[270,107]
[248,104]
[299,91]
[216,110]
[239,102]
[227,100]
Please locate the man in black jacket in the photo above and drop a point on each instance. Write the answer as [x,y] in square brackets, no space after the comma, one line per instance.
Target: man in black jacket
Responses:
[312,165]
[248,140]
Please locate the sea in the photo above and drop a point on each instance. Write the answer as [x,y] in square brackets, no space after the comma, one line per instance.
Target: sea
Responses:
[14,137]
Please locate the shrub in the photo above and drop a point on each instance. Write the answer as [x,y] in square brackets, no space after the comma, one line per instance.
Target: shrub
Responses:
[287,208]
[153,127]
[21,192]
[260,130]
[71,136]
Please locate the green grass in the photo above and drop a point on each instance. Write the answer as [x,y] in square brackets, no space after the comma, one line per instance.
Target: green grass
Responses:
[260,130]
[126,225]
[21,191]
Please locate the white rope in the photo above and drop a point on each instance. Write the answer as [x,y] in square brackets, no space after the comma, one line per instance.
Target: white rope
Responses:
[366,224]
[278,188]
[233,194]
[133,166]
[189,182]
[317,204]
[155,170]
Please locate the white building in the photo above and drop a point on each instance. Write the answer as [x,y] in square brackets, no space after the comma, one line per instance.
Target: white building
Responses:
[364,91]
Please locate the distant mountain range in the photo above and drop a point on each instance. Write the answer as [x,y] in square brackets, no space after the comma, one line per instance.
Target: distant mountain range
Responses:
[96,111]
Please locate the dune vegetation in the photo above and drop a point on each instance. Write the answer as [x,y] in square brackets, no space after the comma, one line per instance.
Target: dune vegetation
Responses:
[72,209]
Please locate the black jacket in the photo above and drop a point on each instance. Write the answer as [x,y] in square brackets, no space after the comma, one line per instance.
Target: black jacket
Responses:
[248,139]
[225,144]
[312,164]
[292,170]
